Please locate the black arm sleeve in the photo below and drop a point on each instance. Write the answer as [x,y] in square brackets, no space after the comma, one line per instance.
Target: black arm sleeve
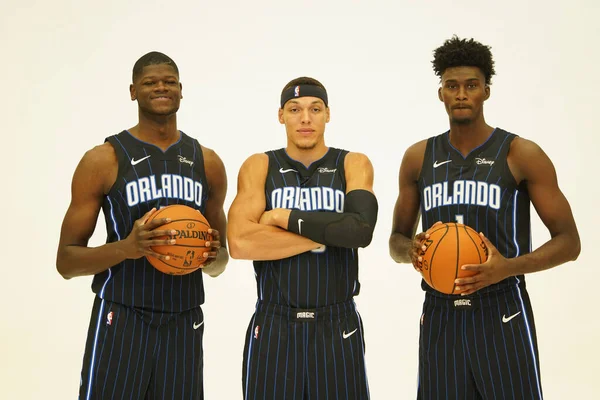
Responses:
[351,229]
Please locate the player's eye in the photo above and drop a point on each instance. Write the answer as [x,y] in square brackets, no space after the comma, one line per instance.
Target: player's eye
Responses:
[316,109]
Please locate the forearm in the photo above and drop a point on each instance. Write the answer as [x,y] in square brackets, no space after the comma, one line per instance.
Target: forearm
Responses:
[217,267]
[74,260]
[265,242]
[351,229]
[400,248]
[560,249]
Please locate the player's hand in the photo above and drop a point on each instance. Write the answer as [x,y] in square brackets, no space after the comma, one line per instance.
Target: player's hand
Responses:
[492,271]
[418,248]
[276,217]
[144,235]
[215,245]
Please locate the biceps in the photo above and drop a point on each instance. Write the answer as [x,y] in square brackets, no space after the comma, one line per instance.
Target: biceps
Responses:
[246,210]
[552,207]
[80,221]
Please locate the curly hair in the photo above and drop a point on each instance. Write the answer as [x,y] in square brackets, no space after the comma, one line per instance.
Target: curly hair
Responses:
[458,52]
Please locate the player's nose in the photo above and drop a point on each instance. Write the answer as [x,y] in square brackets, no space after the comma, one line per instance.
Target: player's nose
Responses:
[305,116]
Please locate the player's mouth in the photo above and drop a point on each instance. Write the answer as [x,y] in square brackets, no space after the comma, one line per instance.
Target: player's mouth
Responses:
[461,107]
[161,98]
[305,131]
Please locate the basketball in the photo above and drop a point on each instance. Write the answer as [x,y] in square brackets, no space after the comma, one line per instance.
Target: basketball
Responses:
[190,240]
[449,247]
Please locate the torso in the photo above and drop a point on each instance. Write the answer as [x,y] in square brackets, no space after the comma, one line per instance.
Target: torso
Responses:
[147,177]
[320,277]
[478,190]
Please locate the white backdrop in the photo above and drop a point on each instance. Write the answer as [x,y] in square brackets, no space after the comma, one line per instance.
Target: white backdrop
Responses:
[65,70]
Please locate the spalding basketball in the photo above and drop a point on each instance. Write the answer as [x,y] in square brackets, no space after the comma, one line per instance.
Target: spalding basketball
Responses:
[448,248]
[186,255]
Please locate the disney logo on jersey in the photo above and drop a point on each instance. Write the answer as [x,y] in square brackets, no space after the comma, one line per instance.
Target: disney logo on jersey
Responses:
[475,193]
[308,199]
[184,160]
[168,186]
[323,170]
[480,161]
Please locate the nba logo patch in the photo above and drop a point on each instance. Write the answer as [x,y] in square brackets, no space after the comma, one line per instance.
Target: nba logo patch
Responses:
[422,318]
[297,91]
[109,318]
[256,331]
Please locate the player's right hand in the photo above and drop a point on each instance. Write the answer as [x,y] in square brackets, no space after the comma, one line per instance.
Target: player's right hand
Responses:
[144,235]
[418,248]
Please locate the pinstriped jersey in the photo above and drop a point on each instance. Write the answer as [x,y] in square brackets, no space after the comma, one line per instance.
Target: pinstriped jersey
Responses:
[147,178]
[479,191]
[317,278]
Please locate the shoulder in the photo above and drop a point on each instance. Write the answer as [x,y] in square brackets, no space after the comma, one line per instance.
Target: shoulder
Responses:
[527,160]
[210,156]
[521,147]
[414,155]
[258,162]
[357,160]
[417,150]
[100,156]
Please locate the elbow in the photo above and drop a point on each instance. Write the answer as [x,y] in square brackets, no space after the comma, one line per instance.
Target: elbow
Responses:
[364,236]
[238,248]
[62,269]
[576,250]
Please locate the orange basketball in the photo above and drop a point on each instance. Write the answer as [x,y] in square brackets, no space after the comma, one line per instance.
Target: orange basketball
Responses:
[449,247]
[190,240]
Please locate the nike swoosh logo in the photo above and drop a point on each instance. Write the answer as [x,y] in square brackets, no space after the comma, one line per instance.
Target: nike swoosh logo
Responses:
[283,171]
[437,164]
[347,335]
[196,326]
[300,221]
[136,162]
[505,320]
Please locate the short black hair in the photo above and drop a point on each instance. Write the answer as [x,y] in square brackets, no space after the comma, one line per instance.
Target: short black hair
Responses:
[458,52]
[152,58]
[303,80]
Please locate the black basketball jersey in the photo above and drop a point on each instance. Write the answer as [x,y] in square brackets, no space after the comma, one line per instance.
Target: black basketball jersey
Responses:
[479,191]
[317,278]
[147,178]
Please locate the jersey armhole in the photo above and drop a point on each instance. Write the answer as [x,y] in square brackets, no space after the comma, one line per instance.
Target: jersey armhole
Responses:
[122,161]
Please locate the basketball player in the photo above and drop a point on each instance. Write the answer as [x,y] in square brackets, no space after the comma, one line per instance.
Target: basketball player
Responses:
[481,344]
[301,213]
[145,333]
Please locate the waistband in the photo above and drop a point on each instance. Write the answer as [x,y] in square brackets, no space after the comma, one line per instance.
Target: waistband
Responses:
[306,314]
[475,301]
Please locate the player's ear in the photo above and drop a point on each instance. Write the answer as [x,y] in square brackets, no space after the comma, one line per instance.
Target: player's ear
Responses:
[440,94]
[487,92]
[328,114]
[132,92]
[180,90]
[280,116]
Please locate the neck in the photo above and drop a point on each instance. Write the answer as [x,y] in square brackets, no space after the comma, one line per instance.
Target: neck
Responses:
[306,156]
[468,136]
[158,130]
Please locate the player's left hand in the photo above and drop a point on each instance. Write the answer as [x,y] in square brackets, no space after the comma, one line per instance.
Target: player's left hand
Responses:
[492,271]
[276,217]
[215,245]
